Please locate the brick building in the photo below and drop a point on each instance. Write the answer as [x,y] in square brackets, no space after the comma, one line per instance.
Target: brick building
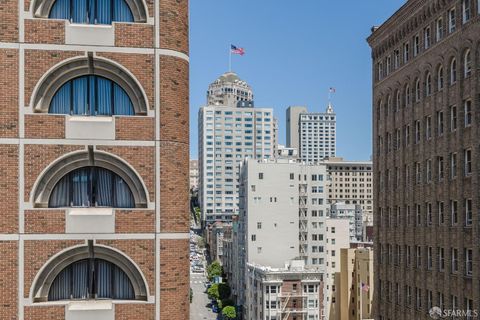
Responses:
[93,138]
[426,165]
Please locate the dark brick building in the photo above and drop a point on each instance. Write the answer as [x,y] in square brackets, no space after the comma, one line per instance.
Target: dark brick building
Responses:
[94,150]
[426,125]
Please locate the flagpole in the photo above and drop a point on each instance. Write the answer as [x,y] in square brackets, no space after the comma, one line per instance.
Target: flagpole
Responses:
[230,60]
[361,301]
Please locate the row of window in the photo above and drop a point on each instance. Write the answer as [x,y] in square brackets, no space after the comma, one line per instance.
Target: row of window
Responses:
[414,298]
[396,59]
[427,88]
[394,219]
[403,137]
[426,175]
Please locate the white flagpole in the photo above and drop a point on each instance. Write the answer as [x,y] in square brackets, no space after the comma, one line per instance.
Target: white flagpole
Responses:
[230,59]
[361,301]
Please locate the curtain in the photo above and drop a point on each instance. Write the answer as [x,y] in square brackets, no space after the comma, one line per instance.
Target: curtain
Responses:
[104,94]
[80,187]
[91,186]
[61,100]
[80,95]
[122,103]
[79,11]
[123,195]
[92,11]
[104,12]
[104,188]
[60,196]
[91,95]
[121,11]
[60,10]
[109,282]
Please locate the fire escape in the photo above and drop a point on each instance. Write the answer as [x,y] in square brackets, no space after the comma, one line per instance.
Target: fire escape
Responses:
[293,304]
[303,220]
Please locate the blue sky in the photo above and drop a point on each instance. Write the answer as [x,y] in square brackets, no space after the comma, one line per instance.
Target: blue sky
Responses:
[295,51]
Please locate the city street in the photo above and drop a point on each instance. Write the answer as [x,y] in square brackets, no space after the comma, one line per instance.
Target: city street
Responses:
[198,307]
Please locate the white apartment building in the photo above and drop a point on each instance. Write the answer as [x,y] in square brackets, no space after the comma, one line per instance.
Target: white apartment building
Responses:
[353,213]
[312,133]
[227,135]
[193,174]
[351,183]
[284,216]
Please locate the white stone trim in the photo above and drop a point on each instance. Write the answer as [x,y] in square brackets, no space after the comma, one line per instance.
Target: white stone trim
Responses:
[95,236]
[174,236]
[70,142]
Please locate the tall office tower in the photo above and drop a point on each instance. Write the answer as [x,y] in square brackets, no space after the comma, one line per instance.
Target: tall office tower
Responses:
[426,130]
[312,133]
[90,146]
[229,90]
[227,135]
[351,183]
[283,216]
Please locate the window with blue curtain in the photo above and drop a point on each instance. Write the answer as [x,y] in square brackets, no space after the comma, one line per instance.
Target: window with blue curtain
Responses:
[91,279]
[91,187]
[92,11]
[91,95]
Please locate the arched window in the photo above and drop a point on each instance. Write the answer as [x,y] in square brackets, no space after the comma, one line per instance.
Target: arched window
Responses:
[91,95]
[92,11]
[397,101]
[91,279]
[453,71]
[467,67]
[417,90]
[91,187]
[407,95]
[428,84]
[440,80]
[89,271]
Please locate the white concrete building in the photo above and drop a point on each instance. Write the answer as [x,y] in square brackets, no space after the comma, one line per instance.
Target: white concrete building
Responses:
[312,133]
[351,183]
[227,135]
[283,216]
[229,90]
[194,175]
[353,213]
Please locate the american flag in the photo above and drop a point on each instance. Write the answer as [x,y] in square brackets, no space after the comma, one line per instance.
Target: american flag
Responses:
[365,287]
[332,90]
[236,50]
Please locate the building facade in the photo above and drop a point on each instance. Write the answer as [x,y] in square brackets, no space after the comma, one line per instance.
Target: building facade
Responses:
[353,213]
[354,284]
[312,133]
[284,216]
[426,129]
[287,293]
[351,182]
[229,90]
[90,147]
[194,175]
[228,135]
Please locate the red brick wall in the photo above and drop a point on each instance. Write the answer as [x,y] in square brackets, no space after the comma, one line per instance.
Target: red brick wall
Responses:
[174,25]
[9,188]
[174,279]
[38,157]
[44,221]
[42,126]
[8,90]
[142,66]
[34,70]
[37,253]
[135,128]
[142,252]
[142,159]
[8,280]
[45,31]
[174,184]
[134,35]
[174,104]
[44,313]
[134,221]
[8,21]
[135,312]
